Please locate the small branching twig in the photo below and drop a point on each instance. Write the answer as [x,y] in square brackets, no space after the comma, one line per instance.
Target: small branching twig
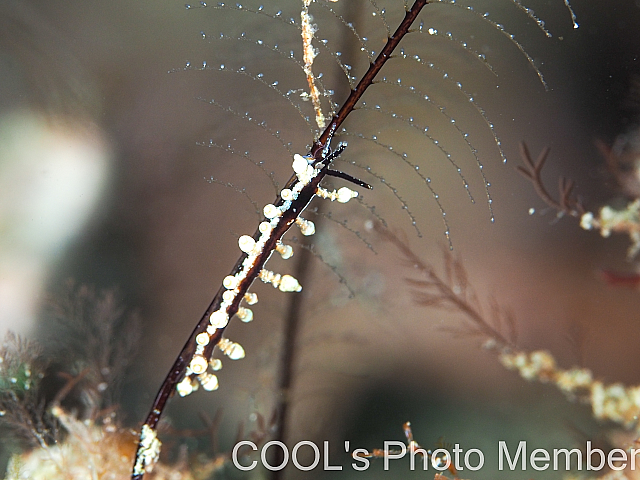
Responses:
[96,340]
[607,220]
[567,203]
[22,410]
[454,293]
[442,462]
[219,459]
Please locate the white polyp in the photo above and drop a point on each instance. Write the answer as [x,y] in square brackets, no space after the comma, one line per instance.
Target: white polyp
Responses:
[236,352]
[300,164]
[285,251]
[149,451]
[268,276]
[198,364]
[586,221]
[265,227]
[245,314]
[230,282]
[307,227]
[286,283]
[251,298]
[322,192]
[208,381]
[219,319]
[307,176]
[185,387]
[202,338]
[228,296]
[271,211]
[345,194]
[231,349]
[289,284]
[286,194]
[215,364]
[246,243]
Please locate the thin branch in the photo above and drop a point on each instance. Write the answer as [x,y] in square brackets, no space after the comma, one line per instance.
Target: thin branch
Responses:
[454,293]
[567,203]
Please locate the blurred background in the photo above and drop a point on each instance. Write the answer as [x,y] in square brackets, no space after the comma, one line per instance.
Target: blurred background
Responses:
[110,141]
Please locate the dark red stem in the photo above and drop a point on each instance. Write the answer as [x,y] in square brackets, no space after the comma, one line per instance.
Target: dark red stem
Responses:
[178,368]
[366,81]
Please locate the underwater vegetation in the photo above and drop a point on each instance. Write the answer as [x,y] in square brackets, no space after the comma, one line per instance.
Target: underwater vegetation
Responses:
[400,117]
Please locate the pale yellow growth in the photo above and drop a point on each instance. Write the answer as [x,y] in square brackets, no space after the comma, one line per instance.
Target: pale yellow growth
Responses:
[231,349]
[307,227]
[251,298]
[287,194]
[208,381]
[230,282]
[271,211]
[614,402]
[285,251]
[286,283]
[300,164]
[245,314]
[92,450]
[265,227]
[622,221]
[219,319]
[202,339]
[246,244]
[343,195]
[289,284]
[198,364]
[185,387]
[149,450]
[305,171]
[309,54]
